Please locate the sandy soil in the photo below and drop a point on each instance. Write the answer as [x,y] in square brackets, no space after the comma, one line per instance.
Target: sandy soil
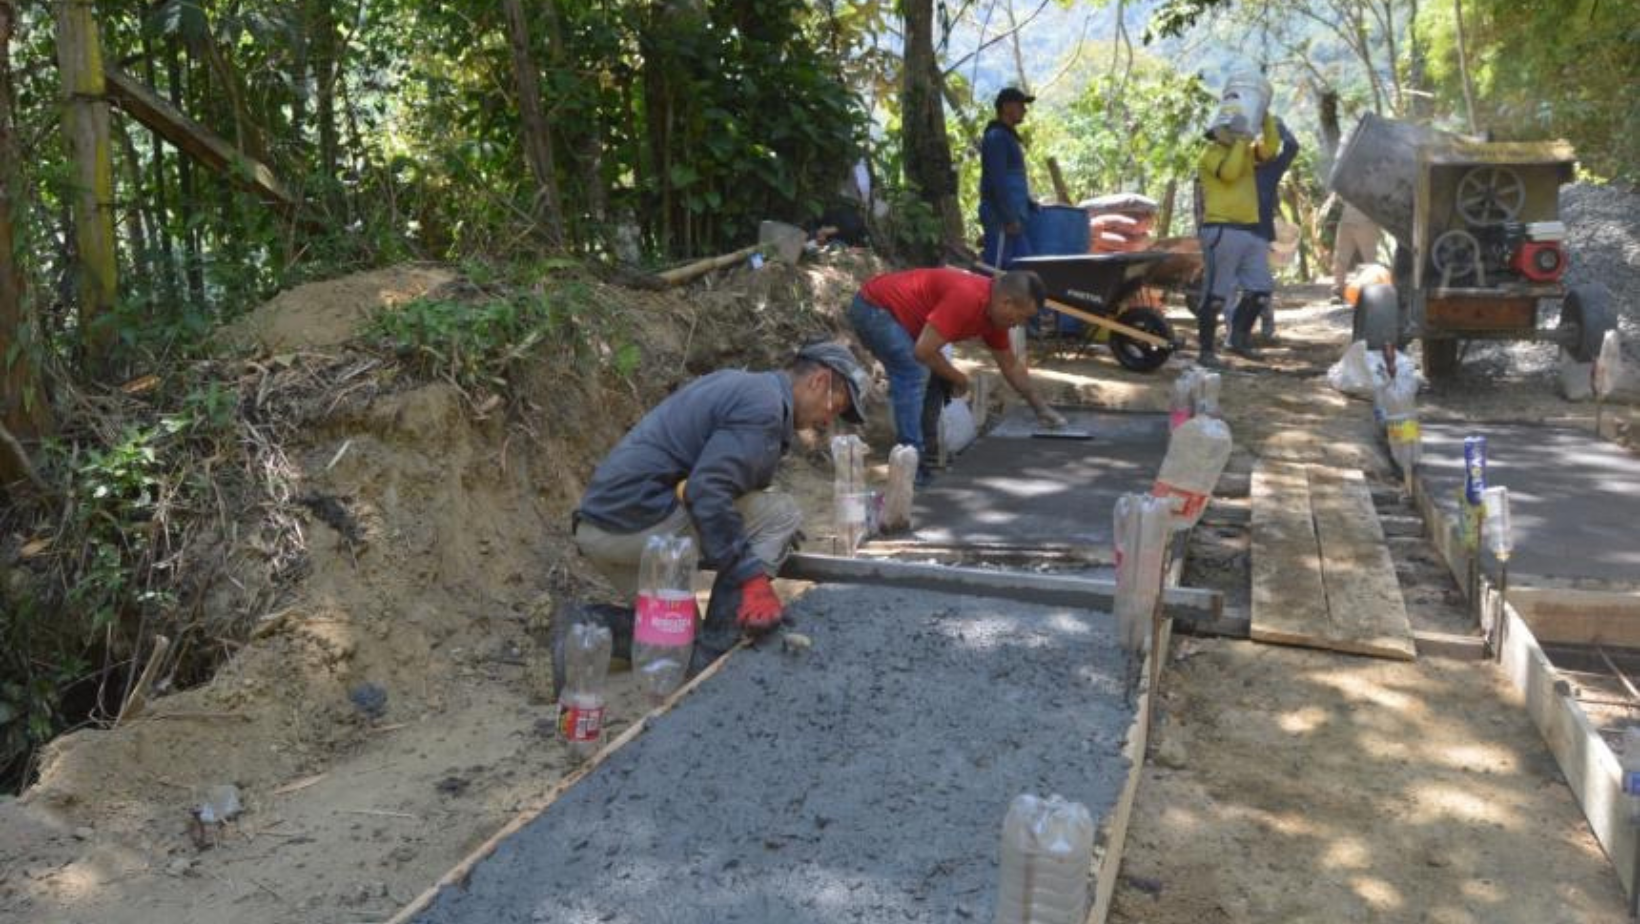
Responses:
[1287,786]
[461,512]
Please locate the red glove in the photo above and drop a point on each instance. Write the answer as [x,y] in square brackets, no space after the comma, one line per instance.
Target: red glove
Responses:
[759,607]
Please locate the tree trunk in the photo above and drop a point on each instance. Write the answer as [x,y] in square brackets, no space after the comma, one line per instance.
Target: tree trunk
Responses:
[537,142]
[85,126]
[24,410]
[1170,200]
[589,152]
[927,147]
[160,204]
[323,58]
[193,266]
[1327,112]
[1419,107]
[1463,68]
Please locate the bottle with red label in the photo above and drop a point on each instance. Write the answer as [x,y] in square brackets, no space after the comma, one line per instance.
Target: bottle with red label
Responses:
[663,637]
[581,704]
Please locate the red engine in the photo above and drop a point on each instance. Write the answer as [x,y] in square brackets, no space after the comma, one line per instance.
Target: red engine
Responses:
[1539,261]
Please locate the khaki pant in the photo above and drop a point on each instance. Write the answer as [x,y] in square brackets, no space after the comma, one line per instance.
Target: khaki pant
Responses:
[771,520]
[1352,242]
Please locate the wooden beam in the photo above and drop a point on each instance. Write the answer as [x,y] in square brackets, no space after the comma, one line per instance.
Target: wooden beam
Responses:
[1183,603]
[203,145]
[1591,769]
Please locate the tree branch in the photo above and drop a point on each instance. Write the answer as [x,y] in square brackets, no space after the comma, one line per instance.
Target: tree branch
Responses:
[1002,37]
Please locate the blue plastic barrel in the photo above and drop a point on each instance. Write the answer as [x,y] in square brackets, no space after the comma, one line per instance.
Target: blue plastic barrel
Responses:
[1057,230]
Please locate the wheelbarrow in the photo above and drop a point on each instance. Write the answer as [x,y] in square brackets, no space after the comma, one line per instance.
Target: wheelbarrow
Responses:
[1098,289]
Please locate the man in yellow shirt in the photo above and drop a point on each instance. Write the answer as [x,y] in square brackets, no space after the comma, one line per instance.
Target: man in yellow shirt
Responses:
[1233,253]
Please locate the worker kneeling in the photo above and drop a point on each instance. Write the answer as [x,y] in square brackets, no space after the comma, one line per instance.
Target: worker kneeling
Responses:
[700,463]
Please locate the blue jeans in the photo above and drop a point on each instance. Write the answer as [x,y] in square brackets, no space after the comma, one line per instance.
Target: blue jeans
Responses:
[907,378]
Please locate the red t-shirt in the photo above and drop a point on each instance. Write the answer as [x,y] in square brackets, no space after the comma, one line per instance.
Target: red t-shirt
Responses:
[952,300]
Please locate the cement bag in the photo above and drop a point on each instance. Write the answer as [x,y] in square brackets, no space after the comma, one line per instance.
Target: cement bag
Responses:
[1352,374]
[1196,455]
[957,427]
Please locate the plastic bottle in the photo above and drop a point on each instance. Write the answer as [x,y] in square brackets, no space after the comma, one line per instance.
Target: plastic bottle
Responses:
[902,480]
[1608,366]
[1206,394]
[1630,762]
[850,499]
[1397,400]
[1196,456]
[1181,406]
[581,705]
[1047,849]
[663,635]
[1141,530]
[1500,538]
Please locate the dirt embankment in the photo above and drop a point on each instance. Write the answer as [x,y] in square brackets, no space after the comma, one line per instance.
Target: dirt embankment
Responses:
[378,723]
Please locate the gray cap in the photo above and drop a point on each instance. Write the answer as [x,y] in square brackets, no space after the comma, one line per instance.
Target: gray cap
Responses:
[838,359]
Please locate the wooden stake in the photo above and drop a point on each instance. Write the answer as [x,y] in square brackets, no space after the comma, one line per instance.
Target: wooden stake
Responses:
[137,699]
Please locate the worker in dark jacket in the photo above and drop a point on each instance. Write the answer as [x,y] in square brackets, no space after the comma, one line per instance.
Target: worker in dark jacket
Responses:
[1268,174]
[1004,188]
[699,463]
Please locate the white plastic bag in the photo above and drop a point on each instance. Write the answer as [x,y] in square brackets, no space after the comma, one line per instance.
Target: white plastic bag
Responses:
[957,428]
[1352,374]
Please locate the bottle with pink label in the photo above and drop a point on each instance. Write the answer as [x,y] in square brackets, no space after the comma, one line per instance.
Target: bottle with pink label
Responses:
[664,635]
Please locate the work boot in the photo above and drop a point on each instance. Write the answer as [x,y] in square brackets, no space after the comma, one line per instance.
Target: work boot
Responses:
[1209,360]
[619,620]
[718,631]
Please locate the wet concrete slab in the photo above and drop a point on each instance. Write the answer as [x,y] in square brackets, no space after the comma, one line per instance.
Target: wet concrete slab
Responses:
[1010,489]
[863,781]
[1574,499]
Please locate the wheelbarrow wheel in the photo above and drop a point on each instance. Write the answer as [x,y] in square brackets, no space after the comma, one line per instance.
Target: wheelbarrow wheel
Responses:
[1587,309]
[1378,317]
[1136,354]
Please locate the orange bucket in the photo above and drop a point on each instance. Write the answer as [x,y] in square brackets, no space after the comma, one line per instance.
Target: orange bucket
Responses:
[1370,274]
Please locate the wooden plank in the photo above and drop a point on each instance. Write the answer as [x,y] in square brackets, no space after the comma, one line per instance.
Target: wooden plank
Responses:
[1051,589]
[1289,597]
[1591,769]
[1112,835]
[1366,612]
[1450,645]
[1579,615]
[194,139]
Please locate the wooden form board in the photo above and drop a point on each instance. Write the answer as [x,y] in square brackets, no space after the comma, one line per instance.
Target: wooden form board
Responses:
[1591,769]
[1557,610]
[1322,575]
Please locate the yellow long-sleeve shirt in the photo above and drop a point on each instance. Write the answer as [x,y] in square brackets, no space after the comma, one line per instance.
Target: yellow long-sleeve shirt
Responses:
[1229,192]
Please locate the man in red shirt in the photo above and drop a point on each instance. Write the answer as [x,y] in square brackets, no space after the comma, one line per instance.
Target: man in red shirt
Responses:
[905,318]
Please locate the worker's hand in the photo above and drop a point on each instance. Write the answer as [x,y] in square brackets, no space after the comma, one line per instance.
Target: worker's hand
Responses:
[759,607]
[1050,418]
[1013,227]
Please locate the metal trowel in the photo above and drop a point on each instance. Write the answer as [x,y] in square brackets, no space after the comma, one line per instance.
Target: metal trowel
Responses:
[1063,433]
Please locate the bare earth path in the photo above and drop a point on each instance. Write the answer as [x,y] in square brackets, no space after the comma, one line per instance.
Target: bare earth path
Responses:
[1302,786]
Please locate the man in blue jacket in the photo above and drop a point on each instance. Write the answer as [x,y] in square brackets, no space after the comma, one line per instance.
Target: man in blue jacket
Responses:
[1004,189]
[699,463]
[1267,174]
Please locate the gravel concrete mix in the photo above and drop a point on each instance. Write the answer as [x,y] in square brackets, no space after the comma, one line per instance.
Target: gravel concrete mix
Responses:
[864,780]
